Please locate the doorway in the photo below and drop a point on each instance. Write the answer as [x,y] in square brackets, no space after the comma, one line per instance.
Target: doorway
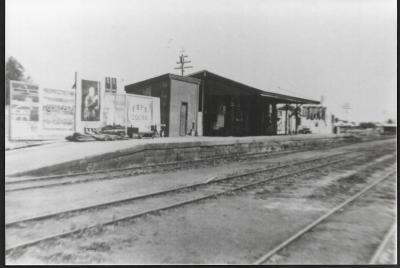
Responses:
[183,119]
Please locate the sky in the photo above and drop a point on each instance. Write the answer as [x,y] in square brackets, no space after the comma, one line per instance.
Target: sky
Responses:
[343,50]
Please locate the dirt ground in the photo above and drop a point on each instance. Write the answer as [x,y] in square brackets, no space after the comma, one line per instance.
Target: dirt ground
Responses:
[347,237]
[235,229]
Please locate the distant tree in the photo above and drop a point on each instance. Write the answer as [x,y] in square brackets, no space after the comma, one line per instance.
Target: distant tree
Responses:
[390,121]
[14,71]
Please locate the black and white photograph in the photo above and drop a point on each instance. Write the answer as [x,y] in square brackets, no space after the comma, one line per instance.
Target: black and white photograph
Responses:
[212,132]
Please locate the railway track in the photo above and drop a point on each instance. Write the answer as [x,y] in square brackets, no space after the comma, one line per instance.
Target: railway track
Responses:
[286,243]
[21,231]
[384,246]
[21,184]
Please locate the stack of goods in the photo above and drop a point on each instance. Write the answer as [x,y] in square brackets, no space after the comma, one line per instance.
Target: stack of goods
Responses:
[107,133]
[80,137]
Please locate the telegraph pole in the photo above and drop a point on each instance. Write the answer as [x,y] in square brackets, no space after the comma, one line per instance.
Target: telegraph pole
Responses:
[182,62]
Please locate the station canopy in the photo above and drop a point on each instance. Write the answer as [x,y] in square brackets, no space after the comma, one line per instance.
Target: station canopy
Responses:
[224,86]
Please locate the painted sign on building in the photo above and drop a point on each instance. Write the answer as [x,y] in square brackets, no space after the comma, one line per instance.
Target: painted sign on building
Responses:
[57,109]
[142,111]
[24,111]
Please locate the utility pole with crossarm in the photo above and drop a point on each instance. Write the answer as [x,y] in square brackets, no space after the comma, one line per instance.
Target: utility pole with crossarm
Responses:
[182,62]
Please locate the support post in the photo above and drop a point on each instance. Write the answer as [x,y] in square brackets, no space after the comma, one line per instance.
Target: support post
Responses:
[76,86]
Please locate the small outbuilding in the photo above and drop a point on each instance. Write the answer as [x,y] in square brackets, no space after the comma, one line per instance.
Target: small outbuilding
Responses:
[179,97]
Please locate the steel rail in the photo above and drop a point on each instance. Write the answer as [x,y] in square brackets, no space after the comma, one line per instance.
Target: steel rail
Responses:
[306,229]
[378,252]
[159,193]
[157,210]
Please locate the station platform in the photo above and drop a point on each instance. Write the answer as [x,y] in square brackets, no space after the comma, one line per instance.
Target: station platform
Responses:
[69,157]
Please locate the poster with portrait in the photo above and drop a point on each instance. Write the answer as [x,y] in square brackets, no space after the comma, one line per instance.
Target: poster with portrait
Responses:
[90,105]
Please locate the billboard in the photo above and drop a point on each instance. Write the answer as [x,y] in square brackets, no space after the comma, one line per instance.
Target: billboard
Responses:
[58,109]
[108,109]
[142,111]
[24,111]
[114,109]
[90,105]
[120,111]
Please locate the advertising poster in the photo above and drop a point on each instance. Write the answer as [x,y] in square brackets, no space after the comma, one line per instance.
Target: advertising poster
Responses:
[57,109]
[139,112]
[110,85]
[120,110]
[108,109]
[107,85]
[113,85]
[114,109]
[24,111]
[90,109]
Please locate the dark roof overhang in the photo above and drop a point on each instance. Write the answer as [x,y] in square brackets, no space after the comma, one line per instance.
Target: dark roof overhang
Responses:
[280,98]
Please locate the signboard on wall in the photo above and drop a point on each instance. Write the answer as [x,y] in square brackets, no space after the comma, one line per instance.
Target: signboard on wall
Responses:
[24,111]
[58,108]
[90,104]
[142,111]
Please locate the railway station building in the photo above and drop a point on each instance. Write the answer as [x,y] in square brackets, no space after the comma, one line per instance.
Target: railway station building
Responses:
[208,104]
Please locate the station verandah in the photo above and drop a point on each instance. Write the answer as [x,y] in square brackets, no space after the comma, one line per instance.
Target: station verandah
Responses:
[230,108]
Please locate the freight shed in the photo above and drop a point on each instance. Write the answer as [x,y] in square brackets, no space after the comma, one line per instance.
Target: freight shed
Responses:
[230,108]
[179,99]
